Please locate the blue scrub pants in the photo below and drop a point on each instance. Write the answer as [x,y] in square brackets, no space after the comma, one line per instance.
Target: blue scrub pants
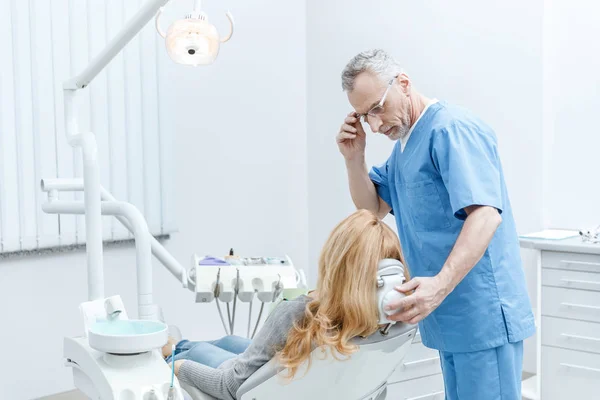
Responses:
[493,374]
[210,353]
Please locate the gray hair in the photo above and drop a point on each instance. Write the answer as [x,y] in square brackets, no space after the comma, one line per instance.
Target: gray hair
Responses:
[376,61]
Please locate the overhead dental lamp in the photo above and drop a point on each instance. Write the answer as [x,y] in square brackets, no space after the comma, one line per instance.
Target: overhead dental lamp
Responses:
[193,40]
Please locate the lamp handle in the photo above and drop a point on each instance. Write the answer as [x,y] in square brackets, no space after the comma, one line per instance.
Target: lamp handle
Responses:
[231,25]
[157,22]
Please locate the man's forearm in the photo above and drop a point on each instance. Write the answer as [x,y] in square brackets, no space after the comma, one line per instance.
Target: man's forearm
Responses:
[473,240]
[363,192]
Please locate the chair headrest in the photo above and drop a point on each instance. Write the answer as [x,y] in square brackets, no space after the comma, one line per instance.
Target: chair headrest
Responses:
[390,273]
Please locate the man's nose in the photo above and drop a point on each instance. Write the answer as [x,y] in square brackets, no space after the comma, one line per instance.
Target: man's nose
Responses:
[374,123]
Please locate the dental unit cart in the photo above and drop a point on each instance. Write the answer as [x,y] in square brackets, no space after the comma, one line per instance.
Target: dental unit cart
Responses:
[567,318]
[118,358]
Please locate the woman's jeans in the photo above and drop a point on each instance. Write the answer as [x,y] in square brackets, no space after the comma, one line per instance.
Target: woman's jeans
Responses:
[211,353]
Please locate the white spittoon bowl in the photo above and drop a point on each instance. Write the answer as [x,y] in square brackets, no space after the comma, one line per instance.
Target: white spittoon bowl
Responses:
[127,336]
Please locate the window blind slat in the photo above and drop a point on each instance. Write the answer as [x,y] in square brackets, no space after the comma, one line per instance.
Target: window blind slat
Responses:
[46,43]
[24,124]
[61,62]
[43,116]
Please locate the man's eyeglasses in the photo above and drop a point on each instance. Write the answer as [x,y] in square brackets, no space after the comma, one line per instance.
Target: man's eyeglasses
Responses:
[378,108]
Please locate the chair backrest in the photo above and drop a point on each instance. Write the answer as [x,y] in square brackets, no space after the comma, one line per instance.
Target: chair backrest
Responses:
[360,377]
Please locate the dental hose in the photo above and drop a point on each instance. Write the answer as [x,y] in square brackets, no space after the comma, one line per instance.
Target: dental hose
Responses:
[171,394]
[235,295]
[217,293]
[233,317]
[229,317]
[221,315]
[262,306]
[250,317]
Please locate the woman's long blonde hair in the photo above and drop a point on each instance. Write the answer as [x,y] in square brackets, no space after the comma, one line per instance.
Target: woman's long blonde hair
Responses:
[346,303]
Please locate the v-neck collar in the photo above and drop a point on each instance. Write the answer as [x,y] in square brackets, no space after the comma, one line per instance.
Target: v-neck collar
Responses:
[405,139]
[417,133]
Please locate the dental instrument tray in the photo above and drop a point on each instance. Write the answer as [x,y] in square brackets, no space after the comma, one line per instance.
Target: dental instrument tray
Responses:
[244,277]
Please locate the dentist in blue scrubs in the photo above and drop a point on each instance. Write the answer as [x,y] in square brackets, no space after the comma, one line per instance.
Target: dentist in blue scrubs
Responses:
[444,184]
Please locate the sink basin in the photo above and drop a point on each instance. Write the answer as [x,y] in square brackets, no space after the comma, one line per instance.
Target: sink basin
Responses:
[128,336]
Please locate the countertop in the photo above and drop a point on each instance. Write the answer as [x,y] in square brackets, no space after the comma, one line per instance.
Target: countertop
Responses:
[570,245]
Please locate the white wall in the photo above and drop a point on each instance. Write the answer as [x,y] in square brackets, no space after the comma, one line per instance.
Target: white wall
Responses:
[486,56]
[240,181]
[572,101]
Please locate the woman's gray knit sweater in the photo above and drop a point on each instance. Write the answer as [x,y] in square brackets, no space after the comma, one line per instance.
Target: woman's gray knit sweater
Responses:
[224,381]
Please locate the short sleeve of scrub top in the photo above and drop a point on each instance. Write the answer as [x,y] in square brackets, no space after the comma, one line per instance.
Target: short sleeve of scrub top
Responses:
[379,177]
[467,160]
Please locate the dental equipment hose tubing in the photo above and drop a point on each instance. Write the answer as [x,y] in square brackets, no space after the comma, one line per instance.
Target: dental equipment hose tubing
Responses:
[166,259]
[221,315]
[235,295]
[262,306]
[91,180]
[158,250]
[229,317]
[233,314]
[250,316]
[142,244]
[87,142]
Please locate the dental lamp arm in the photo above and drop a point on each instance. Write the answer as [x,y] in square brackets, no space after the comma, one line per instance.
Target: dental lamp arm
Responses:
[135,24]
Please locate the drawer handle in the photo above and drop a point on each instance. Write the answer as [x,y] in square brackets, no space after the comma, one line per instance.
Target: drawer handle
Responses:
[580,281]
[580,306]
[580,337]
[425,361]
[579,367]
[565,262]
[426,396]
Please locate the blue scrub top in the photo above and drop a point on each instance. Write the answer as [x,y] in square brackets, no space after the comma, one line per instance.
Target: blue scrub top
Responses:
[450,162]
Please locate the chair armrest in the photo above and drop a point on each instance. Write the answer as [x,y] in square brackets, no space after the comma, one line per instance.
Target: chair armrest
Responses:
[263,374]
[194,393]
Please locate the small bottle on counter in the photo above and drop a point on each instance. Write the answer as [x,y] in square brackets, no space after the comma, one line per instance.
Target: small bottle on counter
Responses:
[233,259]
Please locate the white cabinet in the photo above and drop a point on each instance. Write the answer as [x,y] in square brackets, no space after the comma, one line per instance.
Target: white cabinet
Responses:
[568,320]
[571,334]
[570,351]
[570,374]
[571,303]
[419,377]
[425,388]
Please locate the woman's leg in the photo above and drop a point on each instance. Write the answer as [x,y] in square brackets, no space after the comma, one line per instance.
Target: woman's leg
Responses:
[204,353]
[181,346]
[233,344]
[167,349]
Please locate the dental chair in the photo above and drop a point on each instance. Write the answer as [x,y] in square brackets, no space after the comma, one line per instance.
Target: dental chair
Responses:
[361,376]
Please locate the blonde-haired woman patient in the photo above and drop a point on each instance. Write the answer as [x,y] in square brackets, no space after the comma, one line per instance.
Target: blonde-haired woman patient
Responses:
[342,307]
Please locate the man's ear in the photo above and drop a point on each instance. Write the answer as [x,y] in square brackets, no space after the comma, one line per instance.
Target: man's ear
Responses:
[404,83]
